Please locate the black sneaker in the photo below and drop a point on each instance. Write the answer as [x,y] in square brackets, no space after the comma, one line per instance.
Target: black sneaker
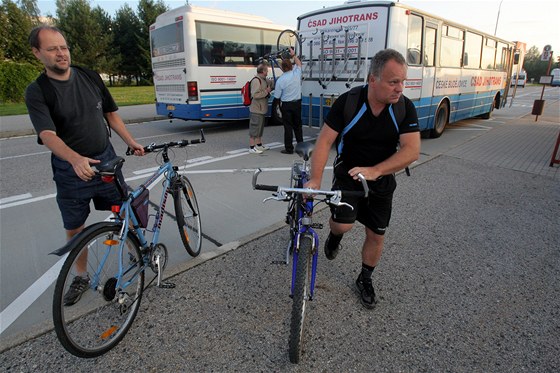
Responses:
[367,294]
[332,246]
[77,288]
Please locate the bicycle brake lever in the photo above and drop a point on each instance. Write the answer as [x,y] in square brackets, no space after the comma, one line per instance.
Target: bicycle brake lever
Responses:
[345,204]
[269,198]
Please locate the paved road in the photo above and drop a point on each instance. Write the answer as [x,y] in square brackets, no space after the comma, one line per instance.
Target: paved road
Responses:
[468,282]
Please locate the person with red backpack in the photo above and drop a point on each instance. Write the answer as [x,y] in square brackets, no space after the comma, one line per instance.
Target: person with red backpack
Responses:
[69,107]
[260,92]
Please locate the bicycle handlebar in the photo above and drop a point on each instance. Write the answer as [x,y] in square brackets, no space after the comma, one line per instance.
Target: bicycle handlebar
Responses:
[172,144]
[333,195]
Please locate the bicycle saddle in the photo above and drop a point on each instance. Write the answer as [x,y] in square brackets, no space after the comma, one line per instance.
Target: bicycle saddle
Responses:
[304,150]
[110,167]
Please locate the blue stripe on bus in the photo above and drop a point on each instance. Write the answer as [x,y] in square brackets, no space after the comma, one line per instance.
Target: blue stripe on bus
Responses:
[462,106]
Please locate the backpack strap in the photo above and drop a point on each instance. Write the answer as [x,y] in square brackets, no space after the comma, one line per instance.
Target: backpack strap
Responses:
[250,83]
[396,111]
[350,107]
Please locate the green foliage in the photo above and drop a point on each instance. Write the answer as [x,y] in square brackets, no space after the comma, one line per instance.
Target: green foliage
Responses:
[14,78]
[124,96]
[118,46]
[533,65]
[16,24]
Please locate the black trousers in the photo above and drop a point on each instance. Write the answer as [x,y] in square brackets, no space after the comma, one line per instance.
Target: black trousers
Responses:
[291,119]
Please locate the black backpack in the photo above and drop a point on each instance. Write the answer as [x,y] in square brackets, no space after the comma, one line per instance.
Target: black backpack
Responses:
[50,95]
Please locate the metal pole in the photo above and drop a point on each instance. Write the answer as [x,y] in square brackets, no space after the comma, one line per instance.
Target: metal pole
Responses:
[498,17]
[544,85]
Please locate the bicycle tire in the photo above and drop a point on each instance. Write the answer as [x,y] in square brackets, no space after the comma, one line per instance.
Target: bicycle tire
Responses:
[289,38]
[301,295]
[188,215]
[102,315]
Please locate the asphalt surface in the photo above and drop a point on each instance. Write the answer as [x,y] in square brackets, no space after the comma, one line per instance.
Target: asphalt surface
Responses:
[468,282]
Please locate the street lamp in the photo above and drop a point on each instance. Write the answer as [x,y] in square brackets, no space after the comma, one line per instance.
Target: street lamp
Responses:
[498,17]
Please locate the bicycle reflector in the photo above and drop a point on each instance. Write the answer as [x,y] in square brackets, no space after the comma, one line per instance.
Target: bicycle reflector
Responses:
[116,209]
[107,178]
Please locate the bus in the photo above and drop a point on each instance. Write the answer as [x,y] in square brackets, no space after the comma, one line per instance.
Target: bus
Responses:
[454,71]
[202,57]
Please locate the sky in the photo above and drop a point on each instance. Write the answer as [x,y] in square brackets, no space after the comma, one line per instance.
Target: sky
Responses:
[536,22]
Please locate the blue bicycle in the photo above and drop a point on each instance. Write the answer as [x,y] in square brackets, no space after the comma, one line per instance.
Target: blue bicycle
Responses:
[304,242]
[100,285]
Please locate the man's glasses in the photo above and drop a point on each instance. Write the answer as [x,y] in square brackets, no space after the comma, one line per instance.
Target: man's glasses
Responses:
[62,48]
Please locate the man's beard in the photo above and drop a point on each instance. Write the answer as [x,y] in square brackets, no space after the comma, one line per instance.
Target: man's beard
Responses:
[59,70]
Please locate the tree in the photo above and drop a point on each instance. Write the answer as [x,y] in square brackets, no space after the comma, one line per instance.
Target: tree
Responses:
[533,65]
[14,32]
[88,43]
[31,9]
[127,41]
[148,10]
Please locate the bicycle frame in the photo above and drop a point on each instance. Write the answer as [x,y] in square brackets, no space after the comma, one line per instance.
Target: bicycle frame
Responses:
[304,213]
[169,172]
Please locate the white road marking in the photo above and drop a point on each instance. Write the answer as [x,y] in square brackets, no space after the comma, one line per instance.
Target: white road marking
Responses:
[30,295]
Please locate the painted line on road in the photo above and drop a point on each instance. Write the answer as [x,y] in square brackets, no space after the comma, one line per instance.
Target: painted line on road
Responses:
[30,295]
[200,161]
[154,169]
[15,198]
[31,200]
[24,155]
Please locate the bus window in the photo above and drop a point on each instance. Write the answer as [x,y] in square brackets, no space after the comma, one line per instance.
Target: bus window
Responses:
[220,44]
[489,54]
[473,46]
[430,47]
[413,51]
[167,40]
[451,47]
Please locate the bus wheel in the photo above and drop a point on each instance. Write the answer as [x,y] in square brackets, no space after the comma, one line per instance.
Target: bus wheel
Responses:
[488,115]
[440,121]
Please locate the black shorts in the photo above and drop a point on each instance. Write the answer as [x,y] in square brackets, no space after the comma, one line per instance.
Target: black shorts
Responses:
[74,195]
[373,212]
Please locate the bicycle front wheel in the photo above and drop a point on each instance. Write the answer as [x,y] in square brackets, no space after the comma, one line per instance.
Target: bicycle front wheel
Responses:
[98,291]
[302,289]
[188,216]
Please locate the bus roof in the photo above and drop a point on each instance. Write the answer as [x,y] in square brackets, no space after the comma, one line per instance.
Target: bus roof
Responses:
[223,15]
[369,3]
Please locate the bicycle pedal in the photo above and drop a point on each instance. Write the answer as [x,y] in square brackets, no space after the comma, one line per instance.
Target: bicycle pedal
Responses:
[317,226]
[167,285]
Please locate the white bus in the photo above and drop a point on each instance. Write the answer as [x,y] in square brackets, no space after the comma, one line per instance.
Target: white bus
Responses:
[454,72]
[202,57]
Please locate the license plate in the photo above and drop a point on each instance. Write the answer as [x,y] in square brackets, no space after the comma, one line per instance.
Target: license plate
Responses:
[170,107]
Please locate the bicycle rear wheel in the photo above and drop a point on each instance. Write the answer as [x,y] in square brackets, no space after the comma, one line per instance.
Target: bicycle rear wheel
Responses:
[188,216]
[302,288]
[289,39]
[98,317]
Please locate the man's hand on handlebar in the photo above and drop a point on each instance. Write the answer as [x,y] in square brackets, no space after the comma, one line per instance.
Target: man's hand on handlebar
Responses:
[135,148]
